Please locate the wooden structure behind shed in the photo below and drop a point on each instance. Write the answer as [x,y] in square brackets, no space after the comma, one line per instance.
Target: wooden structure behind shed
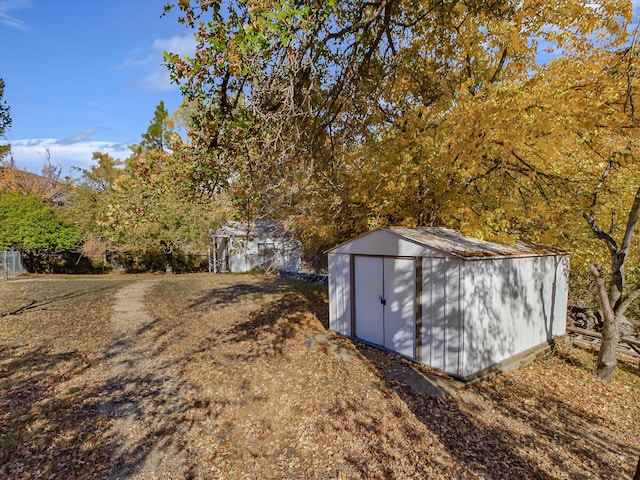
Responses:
[455,303]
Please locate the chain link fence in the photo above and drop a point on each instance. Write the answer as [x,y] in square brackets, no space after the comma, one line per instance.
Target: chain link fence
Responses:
[10,264]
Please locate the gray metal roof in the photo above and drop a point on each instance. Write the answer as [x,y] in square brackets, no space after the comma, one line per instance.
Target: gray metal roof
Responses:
[259,228]
[453,242]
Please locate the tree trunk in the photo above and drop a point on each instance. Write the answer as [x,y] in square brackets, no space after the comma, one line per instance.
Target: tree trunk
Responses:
[607,360]
[168,266]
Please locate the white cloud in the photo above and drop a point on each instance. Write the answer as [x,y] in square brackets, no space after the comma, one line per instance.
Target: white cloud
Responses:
[145,62]
[156,76]
[31,154]
[182,45]
[79,137]
[8,6]
[158,81]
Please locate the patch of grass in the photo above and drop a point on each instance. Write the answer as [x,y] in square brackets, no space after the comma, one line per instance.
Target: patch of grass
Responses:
[628,376]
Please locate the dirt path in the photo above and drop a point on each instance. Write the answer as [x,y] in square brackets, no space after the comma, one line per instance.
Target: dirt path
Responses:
[145,392]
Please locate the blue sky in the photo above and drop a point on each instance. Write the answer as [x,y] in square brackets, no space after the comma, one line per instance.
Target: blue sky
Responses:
[84,76]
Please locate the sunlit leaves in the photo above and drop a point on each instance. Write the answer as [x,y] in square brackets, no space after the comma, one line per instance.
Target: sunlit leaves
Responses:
[493,117]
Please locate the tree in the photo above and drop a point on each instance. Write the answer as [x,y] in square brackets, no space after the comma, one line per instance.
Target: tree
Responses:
[102,175]
[88,200]
[155,201]
[29,225]
[5,120]
[152,207]
[615,300]
[159,134]
[48,186]
[366,113]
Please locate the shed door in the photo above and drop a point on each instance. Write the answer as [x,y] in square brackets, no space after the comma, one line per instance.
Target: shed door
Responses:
[385,302]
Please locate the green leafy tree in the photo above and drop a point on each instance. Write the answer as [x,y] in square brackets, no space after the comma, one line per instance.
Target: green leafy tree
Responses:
[154,202]
[29,225]
[103,174]
[88,200]
[151,207]
[160,132]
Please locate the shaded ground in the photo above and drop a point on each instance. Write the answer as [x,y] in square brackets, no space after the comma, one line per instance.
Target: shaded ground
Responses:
[236,377]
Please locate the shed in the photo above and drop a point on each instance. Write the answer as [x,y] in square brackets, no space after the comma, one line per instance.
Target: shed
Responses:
[457,304]
[262,244]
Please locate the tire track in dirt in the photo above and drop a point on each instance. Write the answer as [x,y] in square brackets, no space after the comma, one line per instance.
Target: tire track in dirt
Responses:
[144,394]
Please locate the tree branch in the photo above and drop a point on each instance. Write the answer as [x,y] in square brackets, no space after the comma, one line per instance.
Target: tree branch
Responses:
[603,178]
[601,234]
[362,23]
[632,221]
[503,59]
[628,300]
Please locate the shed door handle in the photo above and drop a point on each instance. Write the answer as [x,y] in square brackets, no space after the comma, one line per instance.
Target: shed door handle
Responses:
[383,301]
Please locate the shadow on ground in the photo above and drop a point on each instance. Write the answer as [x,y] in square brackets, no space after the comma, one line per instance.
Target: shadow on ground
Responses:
[52,426]
[218,298]
[57,409]
[496,448]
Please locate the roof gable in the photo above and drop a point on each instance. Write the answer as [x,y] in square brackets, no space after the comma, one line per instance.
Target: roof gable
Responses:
[444,242]
[259,229]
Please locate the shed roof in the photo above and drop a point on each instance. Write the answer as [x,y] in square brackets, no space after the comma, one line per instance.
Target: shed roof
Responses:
[259,228]
[454,243]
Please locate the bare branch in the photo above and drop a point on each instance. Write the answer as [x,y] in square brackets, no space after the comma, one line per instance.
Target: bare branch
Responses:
[632,221]
[603,178]
[622,306]
[601,234]
[362,23]
[503,59]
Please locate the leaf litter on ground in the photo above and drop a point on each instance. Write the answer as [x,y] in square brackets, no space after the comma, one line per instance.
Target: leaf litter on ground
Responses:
[236,376]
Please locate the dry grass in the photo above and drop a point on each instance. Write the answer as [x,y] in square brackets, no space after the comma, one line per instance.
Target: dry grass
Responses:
[241,380]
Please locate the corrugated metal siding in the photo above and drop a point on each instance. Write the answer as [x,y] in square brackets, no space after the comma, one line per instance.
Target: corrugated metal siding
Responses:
[340,294]
[441,314]
[476,310]
[560,297]
[511,306]
[399,311]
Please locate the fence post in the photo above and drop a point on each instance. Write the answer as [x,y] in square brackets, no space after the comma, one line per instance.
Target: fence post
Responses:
[5,266]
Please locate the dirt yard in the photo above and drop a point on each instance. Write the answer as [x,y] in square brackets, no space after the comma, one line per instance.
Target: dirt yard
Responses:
[235,377]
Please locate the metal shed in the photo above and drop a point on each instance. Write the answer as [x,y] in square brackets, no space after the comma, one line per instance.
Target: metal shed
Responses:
[262,244]
[455,303]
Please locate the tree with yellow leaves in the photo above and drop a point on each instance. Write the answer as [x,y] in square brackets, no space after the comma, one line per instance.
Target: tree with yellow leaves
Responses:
[497,118]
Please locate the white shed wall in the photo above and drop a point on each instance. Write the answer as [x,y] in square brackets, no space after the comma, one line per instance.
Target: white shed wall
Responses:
[511,305]
[245,254]
[340,293]
[442,315]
